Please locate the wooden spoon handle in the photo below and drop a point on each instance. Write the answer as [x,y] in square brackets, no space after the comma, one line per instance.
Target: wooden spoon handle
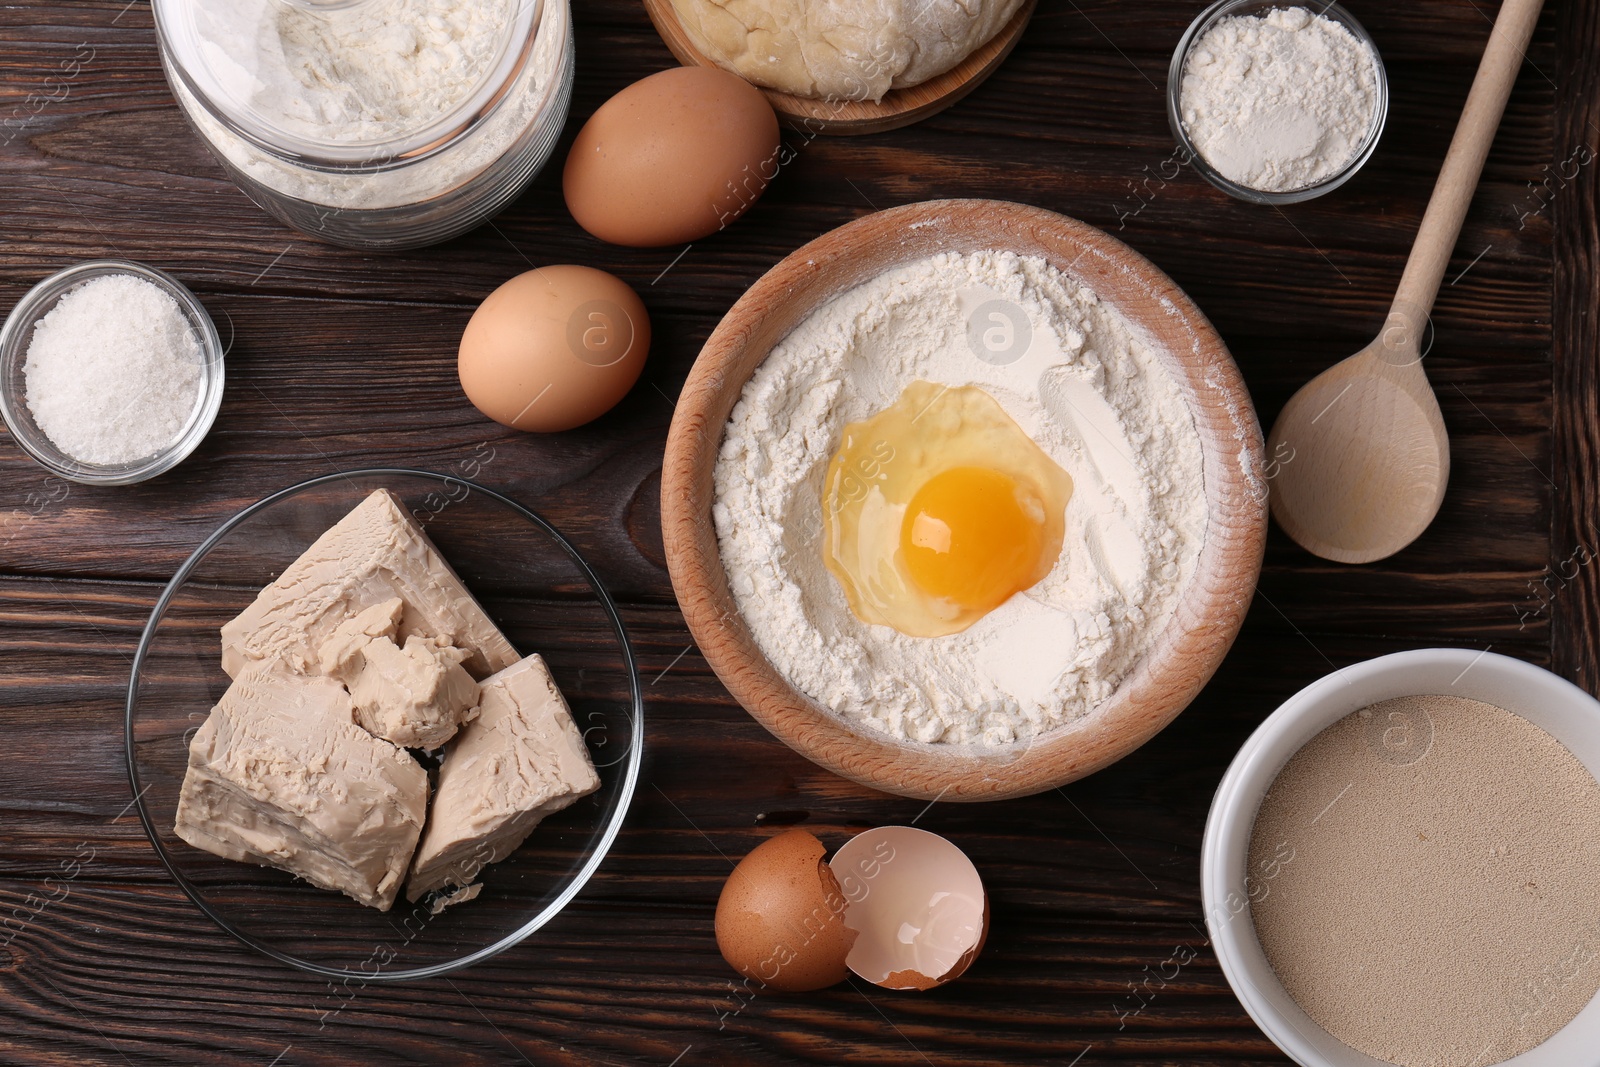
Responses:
[1458,179]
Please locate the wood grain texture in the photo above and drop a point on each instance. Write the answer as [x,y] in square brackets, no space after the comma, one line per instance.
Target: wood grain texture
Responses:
[898,108]
[342,359]
[1569,185]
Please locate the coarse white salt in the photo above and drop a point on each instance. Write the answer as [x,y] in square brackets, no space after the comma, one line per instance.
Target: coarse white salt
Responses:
[113,372]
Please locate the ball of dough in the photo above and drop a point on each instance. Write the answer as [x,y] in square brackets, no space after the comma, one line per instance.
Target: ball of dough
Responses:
[841,49]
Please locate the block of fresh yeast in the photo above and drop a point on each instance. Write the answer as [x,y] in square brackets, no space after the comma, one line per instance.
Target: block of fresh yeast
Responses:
[282,775]
[520,760]
[374,554]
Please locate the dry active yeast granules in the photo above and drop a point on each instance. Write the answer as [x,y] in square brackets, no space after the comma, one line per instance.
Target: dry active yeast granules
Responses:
[1435,899]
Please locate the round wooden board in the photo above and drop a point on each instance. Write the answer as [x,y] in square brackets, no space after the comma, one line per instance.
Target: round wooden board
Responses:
[899,107]
[1209,612]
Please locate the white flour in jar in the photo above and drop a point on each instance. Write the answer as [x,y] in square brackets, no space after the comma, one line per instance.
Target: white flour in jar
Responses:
[1279,101]
[362,99]
[1088,388]
[377,69]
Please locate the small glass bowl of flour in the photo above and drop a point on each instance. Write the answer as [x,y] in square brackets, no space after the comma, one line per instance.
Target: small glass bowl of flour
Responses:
[111,373]
[1276,103]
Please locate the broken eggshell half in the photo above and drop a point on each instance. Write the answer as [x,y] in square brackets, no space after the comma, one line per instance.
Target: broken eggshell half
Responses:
[916,903]
[898,906]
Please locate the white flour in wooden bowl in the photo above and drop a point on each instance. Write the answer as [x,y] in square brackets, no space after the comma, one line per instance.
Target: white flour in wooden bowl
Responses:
[1085,384]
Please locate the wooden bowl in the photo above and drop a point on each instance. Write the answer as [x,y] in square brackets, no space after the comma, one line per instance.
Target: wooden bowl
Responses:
[1184,654]
[899,107]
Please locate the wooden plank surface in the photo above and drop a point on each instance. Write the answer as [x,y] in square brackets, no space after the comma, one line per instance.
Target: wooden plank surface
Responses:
[1571,187]
[341,359]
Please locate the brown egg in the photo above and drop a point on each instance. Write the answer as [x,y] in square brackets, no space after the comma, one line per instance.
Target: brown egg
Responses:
[554,348]
[672,158]
[780,920]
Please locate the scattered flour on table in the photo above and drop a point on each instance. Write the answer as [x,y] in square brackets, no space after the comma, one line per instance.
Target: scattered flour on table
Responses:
[1089,389]
[1279,101]
[112,372]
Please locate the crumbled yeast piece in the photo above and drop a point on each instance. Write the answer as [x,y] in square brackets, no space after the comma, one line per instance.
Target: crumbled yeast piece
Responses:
[520,760]
[281,775]
[451,899]
[417,695]
[352,635]
[375,554]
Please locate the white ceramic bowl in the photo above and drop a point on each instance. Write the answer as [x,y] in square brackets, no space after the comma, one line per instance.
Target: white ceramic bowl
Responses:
[1556,706]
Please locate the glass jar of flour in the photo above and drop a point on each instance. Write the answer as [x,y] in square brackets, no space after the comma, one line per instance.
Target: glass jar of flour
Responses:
[374,123]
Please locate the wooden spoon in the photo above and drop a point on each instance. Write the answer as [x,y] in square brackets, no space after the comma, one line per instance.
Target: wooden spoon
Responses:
[1359,458]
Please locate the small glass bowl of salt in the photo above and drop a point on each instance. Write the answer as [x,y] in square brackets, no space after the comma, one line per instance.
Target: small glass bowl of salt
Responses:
[111,373]
[1276,102]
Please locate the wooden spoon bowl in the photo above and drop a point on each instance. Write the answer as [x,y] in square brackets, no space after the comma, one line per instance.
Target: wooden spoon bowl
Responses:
[1186,652]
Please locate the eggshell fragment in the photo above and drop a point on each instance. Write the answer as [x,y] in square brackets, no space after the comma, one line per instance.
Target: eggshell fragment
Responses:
[672,158]
[917,904]
[780,917]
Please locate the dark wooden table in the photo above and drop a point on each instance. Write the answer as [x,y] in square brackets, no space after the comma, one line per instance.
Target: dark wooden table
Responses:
[343,360]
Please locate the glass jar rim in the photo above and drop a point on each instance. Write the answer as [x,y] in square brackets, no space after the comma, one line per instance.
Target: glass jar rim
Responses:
[180,42]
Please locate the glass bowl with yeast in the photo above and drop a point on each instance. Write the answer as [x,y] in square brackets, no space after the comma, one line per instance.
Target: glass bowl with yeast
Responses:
[964,500]
[384,724]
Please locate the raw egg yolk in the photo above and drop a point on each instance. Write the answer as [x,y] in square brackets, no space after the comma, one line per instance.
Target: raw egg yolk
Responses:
[938,509]
[972,536]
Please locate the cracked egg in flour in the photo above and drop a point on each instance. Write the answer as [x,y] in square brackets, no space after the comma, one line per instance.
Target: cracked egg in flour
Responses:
[989,568]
